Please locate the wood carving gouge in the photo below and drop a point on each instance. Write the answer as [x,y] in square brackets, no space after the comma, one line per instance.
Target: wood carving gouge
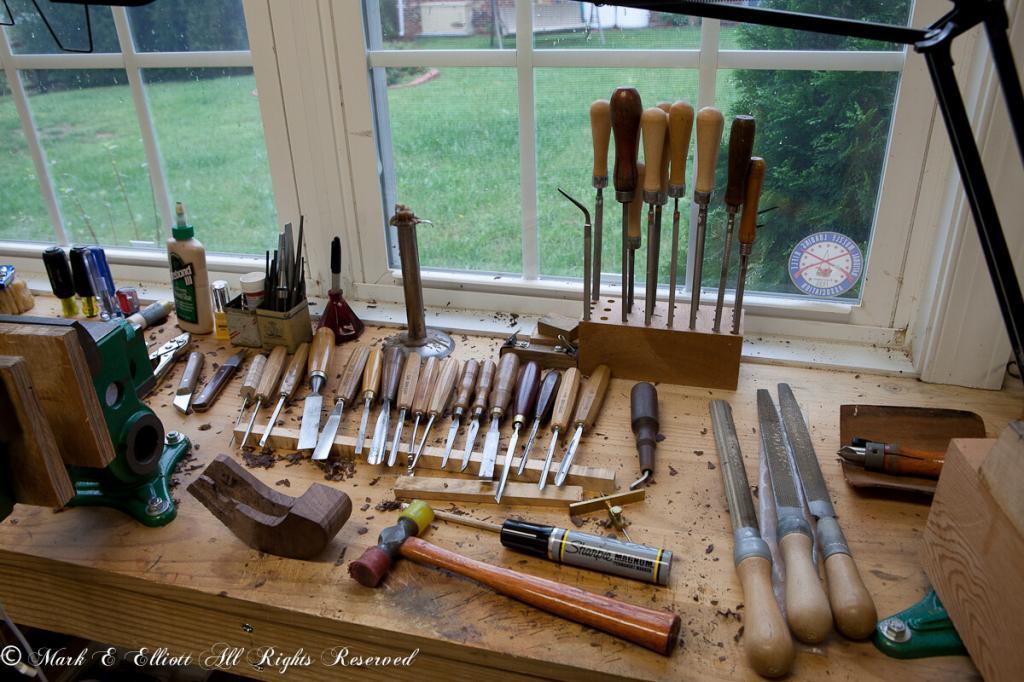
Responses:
[320,355]
[590,400]
[463,394]
[741,144]
[371,383]
[626,108]
[600,131]
[680,125]
[289,382]
[586,254]
[344,395]
[393,358]
[406,393]
[526,396]
[709,139]
[478,408]
[560,415]
[501,394]
[442,390]
[541,410]
[268,382]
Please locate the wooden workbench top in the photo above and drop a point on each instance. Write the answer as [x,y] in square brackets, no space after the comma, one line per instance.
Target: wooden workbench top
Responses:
[191,585]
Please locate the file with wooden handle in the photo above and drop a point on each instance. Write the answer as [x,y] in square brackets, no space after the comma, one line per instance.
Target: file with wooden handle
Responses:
[478,408]
[268,382]
[343,395]
[406,393]
[289,383]
[588,406]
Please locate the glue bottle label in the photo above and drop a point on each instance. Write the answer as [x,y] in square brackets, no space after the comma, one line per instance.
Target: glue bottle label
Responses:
[184,288]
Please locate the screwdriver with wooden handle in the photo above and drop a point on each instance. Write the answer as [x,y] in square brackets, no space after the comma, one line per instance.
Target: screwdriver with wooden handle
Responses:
[406,392]
[268,382]
[393,360]
[741,145]
[709,139]
[289,382]
[748,232]
[565,400]
[249,383]
[371,383]
[501,394]
[680,125]
[526,396]
[421,398]
[442,390]
[653,125]
[600,132]
[541,409]
[625,109]
[635,215]
[320,355]
[478,408]
[463,392]
[589,405]
[343,395]
[189,379]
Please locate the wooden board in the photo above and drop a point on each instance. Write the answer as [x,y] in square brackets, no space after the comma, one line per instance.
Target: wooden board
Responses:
[38,472]
[482,492]
[63,384]
[1003,473]
[974,556]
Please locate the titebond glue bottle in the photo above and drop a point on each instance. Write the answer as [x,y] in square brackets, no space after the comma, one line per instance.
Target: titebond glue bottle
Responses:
[190,281]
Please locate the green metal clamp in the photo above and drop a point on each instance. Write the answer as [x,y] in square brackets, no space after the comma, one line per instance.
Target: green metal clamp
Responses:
[921,631]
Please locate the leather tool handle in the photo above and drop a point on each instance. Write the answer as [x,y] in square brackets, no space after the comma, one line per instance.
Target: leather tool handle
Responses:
[424,385]
[592,396]
[190,376]
[643,410]
[653,124]
[442,388]
[546,395]
[321,352]
[483,386]
[526,391]
[504,383]
[600,132]
[296,370]
[666,150]
[741,146]
[636,207]
[852,606]
[271,373]
[214,386]
[709,138]
[680,127]
[654,629]
[252,376]
[349,383]
[566,399]
[371,373]
[765,633]
[626,109]
[407,386]
[466,384]
[748,219]
[394,358]
[807,608]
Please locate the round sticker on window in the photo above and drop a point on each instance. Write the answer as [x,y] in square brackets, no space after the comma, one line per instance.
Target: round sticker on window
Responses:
[826,264]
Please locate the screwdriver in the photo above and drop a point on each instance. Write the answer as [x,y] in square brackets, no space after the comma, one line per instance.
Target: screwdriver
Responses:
[625,110]
[268,382]
[591,398]
[462,396]
[748,232]
[58,270]
[442,390]
[680,125]
[406,392]
[653,125]
[564,402]
[320,355]
[526,396]
[248,389]
[545,403]
[478,407]
[371,382]
[741,144]
[83,281]
[709,139]
[343,395]
[643,413]
[501,394]
[420,400]
[600,131]
[393,358]
[289,382]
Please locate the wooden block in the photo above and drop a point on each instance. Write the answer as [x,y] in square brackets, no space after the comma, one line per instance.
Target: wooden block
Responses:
[482,492]
[657,353]
[37,470]
[1003,473]
[63,384]
[553,325]
[588,478]
[973,556]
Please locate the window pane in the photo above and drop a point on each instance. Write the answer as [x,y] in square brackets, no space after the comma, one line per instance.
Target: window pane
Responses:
[22,211]
[442,24]
[189,26]
[750,37]
[215,158]
[823,135]
[87,125]
[567,24]
[565,159]
[29,34]
[456,162]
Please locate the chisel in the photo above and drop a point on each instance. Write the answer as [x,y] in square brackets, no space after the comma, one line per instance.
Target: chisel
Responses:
[289,382]
[343,395]
[625,109]
[189,379]
[748,233]
[653,125]
[421,399]
[371,383]
[600,131]
[478,408]
[526,396]
[666,153]
[393,361]
[462,395]
[680,125]
[541,410]
[765,635]
[635,217]
[587,303]
[501,394]
[589,405]
[643,418]
[441,391]
[560,414]
[406,392]
[741,144]
[248,388]
[709,138]
[893,459]
[214,386]
[268,382]
[320,354]
[852,606]
[807,608]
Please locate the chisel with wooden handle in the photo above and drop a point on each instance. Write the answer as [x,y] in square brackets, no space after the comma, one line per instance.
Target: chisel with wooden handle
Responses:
[709,139]
[320,355]
[393,362]
[748,232]
[268,382]
[541,410]
[371,384]
[565,400]
[634,216]
[501,395]
[248,388]
[406,392]
[343,395]
[625,109]
[441,391]
[189,379]
[421,398]
[463,393]
[214,386]
[680,126]
[526,395]
[478,408]
[289,383]
[600,132]
[893,459]
[741,144]
[653,125]
[591,398]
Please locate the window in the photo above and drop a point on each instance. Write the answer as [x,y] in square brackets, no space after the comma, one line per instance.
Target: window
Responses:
[164,109]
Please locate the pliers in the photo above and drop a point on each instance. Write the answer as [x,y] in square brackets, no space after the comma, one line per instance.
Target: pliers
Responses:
[164,356]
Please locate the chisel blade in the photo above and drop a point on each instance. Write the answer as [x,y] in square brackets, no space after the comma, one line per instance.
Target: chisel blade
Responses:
[529,446]
[326,440]
[490,455]
[380,434]
[396,441]
[818,499]
[563,468]
[513,442]
[361,435]
[734,473]
[787,497]
[474,428]
[310,421]
[449,442]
